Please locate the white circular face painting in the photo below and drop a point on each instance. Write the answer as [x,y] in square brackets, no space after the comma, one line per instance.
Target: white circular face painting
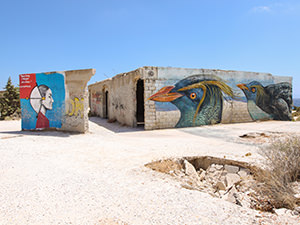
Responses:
[41,100]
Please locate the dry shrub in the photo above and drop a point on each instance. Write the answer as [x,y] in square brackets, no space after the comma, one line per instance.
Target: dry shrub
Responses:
[274,184]
[297,113]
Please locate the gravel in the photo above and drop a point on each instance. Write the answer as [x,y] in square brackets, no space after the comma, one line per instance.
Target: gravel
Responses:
[100,178]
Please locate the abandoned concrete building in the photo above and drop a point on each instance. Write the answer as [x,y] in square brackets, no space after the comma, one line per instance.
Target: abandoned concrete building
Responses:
[166,97]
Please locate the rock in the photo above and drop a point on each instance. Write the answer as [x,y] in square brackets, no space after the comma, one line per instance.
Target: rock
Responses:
[231,169]
[280,212]
[231,179]
[218,166]
[243,174]
[297,195]
[296,211]
[202,176]
[246,170]
[231,196]
[190,169]
[220,186]
[211,168]
[192,173]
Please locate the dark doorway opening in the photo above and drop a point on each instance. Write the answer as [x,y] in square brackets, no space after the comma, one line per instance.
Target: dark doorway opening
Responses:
[140,118]
[106,105]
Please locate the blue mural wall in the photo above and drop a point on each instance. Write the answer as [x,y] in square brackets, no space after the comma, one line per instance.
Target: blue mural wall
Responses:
[42,99]
[200,98]
[273,101]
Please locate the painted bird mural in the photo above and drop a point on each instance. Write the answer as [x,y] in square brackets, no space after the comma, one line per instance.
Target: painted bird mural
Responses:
[270,102]
[199,99]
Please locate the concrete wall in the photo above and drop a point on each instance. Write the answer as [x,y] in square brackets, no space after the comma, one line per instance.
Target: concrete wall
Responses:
[121,97]
[56,100]
[180,97]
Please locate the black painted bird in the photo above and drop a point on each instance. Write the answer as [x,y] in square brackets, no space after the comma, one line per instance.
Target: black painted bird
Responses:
[199,99]
[271,102]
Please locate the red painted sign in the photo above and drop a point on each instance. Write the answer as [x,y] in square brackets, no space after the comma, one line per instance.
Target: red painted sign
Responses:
[27,83]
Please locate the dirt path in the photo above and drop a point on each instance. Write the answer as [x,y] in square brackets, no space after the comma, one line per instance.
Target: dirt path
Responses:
[99,177]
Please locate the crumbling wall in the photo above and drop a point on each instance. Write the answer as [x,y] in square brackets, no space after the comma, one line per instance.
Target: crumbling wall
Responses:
[56,100]
[97,97]
[121,97]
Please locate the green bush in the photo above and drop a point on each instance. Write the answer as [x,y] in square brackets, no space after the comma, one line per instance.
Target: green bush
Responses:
[9,101]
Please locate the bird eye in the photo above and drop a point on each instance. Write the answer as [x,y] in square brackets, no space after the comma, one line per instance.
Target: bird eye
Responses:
[253,90]
[193,95]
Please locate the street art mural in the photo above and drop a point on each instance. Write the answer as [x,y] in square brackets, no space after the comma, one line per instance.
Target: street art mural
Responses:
[198,97]
[201,99]
[273,101]
[76,107]
[42,99]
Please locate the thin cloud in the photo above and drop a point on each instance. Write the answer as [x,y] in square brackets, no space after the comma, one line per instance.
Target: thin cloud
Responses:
[278,8]
[261,9]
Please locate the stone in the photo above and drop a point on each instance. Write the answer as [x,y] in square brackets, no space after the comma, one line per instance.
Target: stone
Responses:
[243,174]
[211,168]
[281,211]
[231,179]
[231,195]
[296,211]
[220,186]
[231,169]
[189,169]
[202,176]
[221,192]
[218,166]
[246,170]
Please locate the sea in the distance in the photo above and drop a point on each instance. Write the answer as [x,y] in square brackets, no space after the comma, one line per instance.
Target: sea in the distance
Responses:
[296,102]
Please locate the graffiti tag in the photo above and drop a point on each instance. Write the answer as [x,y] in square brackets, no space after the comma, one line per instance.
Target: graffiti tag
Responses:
[76,107]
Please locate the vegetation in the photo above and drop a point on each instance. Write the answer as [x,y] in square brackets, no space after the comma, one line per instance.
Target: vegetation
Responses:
[274,185]
[9,101]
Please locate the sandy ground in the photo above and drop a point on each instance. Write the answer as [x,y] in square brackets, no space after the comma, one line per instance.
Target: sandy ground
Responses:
[100,178]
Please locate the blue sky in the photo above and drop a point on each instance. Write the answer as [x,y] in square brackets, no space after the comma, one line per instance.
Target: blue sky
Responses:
[119,36]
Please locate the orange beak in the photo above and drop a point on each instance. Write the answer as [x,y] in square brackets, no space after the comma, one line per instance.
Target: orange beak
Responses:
[164,95]
[243,86]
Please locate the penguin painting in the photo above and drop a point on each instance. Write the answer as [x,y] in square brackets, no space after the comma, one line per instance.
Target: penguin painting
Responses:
[199,99]
[270,102]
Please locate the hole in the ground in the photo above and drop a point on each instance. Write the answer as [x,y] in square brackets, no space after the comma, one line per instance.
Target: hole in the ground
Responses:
[231,180]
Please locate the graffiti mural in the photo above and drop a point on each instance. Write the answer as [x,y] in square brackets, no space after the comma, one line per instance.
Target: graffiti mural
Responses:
[96,97]
[273,101]
[42,99]
[198,97]
[76,107]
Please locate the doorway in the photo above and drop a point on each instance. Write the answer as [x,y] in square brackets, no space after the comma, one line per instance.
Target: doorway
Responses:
[106,105]
[140,118]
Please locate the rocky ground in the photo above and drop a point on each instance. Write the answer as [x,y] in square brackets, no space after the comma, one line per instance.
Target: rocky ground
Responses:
[100,177]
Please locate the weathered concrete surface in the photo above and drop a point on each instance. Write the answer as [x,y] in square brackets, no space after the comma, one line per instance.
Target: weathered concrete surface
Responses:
[121,98]
[54,177]
[122,101]
[77,95]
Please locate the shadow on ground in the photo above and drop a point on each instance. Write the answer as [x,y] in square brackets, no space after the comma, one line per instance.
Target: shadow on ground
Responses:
[114,127]
[49,133]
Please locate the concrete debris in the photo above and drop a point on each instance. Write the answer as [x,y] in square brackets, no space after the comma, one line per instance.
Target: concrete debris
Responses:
[220,186]
[190,169]
[232,179]
[281,211]
[231,169]
[243,174]
[231,183]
